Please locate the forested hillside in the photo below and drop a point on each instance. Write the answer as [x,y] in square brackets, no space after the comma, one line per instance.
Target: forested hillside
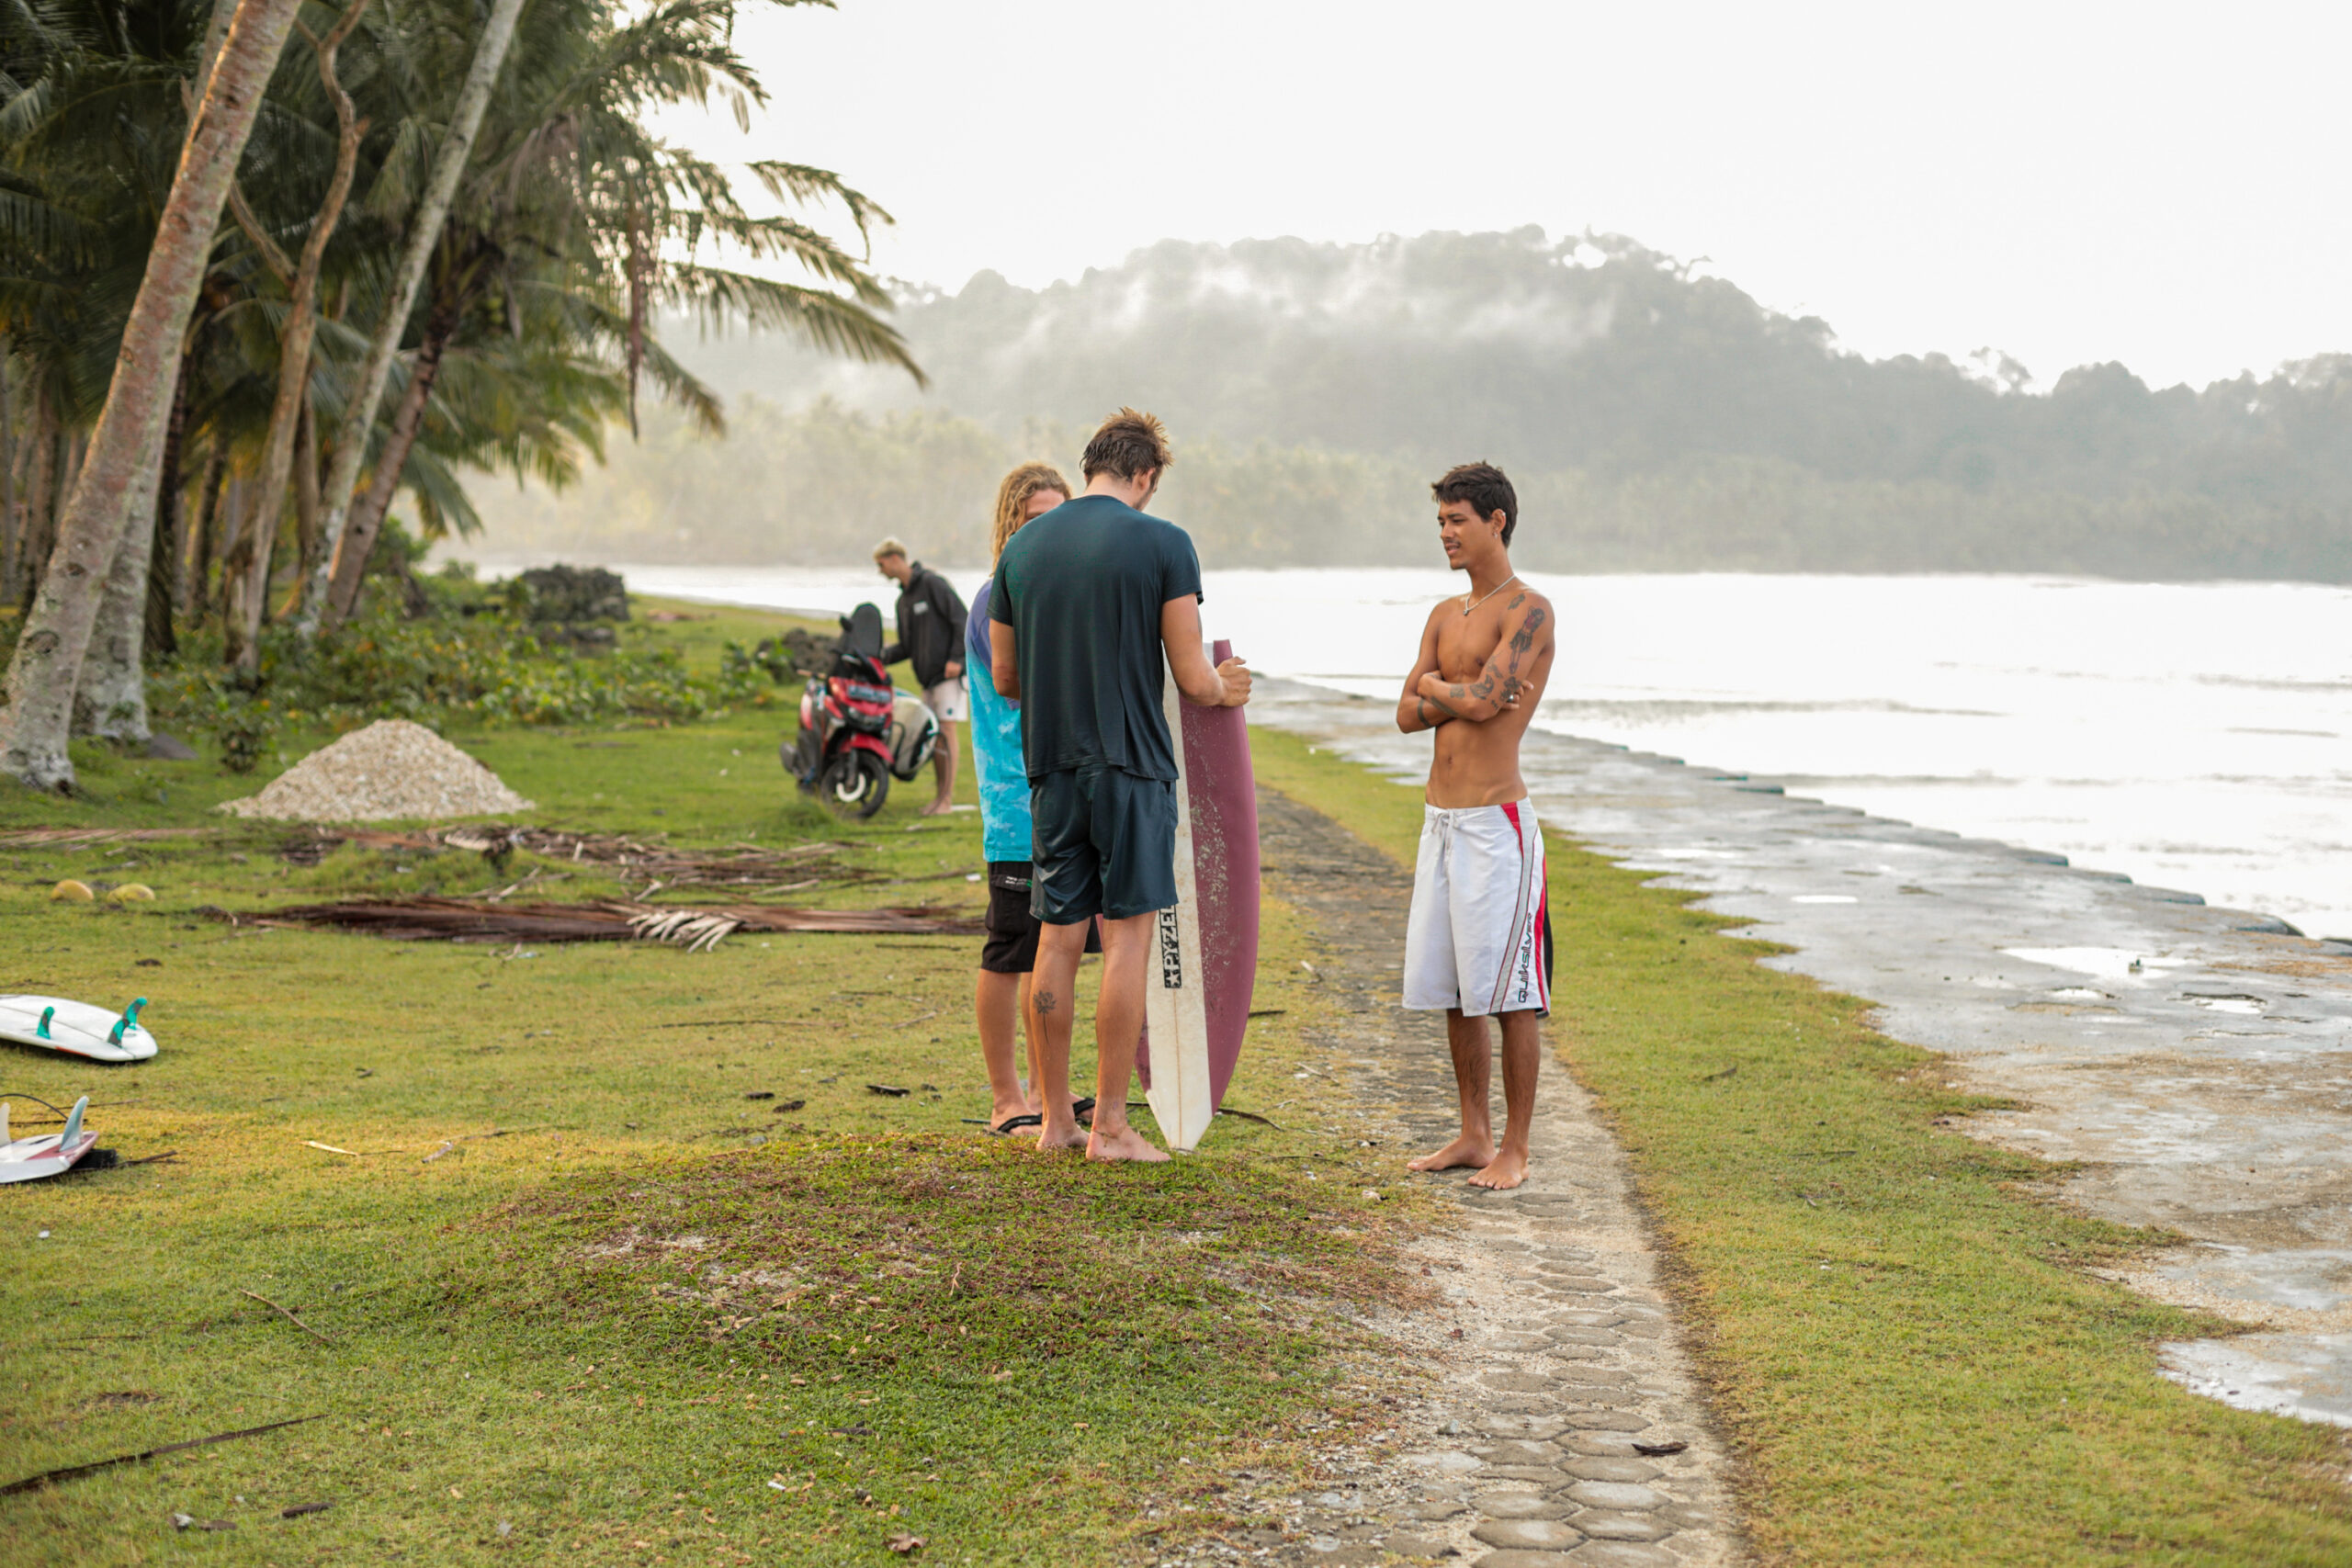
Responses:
[1655,418]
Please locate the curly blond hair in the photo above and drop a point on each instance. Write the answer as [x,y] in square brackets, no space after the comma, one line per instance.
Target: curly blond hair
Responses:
[1013,495]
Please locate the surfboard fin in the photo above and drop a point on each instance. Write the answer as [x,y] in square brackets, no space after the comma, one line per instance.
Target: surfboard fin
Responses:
[41,1028]
[129,1020]
[74,1123]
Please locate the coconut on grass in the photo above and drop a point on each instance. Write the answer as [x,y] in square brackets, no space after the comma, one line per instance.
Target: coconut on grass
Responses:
[390,768]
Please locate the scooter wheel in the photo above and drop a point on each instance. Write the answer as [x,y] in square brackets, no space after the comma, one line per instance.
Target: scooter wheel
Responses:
[855,784]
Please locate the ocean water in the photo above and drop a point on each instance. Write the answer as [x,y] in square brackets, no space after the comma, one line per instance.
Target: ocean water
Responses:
[2196,736]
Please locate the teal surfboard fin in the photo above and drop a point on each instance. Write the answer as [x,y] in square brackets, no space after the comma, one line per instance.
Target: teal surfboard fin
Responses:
[41,1028]
[74,1123]
[129,1020]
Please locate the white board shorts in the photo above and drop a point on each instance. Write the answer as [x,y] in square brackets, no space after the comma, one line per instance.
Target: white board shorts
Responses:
[1479,937]
[947,700]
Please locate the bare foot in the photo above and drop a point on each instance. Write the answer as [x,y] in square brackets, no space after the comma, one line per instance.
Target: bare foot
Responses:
[1126,1144]
[1463,1150]
[1505,1171]
[937,809]
[1068,1135]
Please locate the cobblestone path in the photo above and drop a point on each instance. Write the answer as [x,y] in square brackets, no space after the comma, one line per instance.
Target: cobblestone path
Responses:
[1564,1373]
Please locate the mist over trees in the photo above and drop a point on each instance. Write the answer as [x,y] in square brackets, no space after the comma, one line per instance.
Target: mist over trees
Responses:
[1655,418]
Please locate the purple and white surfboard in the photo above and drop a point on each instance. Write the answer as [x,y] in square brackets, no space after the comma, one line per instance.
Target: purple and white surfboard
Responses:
[1196,999]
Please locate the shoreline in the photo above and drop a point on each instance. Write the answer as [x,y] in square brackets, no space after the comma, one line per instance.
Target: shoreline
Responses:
[2190,738]
[2179,1054]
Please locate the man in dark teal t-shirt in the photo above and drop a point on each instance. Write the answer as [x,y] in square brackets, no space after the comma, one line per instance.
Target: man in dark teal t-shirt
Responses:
[1094,605]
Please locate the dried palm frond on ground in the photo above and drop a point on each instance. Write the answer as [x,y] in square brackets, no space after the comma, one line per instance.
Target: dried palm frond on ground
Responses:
[759,868]
[14,837]
[458,919]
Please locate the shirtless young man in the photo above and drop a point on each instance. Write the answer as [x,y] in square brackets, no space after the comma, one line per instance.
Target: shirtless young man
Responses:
[1479,938]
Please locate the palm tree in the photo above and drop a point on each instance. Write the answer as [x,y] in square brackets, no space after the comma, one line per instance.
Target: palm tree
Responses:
[574,206]
[523,336]
[126,446]
[424,236]
[93,138]
[249,559]
[91,167]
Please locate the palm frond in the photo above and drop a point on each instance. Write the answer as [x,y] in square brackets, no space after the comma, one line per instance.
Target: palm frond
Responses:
[803,184]
[824,321]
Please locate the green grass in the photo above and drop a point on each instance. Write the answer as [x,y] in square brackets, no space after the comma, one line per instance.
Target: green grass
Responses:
[1052,1341]
[1902,1337]
[1901,1333]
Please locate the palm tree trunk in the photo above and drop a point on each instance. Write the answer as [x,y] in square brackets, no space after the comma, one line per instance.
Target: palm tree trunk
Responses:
[28,477]
[34,533]
[8,473]
[110,697]
[250,595]
[306,506]
[163,562]
[244,566]
[423,234]
[231,522]
[408,421]
[195,565]
[126,447]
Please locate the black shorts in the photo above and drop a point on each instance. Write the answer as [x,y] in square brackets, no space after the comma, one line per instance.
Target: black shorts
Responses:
[1011,947]
[1105,844]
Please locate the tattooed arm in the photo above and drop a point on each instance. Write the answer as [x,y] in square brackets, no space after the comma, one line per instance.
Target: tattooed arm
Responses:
[1513,677]
[1415,712]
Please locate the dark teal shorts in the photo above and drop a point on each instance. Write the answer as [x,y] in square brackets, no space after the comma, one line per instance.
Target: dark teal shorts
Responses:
[1104,844]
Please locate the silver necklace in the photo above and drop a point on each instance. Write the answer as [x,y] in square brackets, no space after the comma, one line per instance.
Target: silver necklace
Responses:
[1469,604]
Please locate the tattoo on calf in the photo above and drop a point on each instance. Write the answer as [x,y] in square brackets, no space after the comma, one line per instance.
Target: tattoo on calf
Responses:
[1047,1002]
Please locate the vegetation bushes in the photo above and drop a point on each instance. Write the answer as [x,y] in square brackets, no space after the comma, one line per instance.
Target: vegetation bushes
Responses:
[771,501]
[486,668]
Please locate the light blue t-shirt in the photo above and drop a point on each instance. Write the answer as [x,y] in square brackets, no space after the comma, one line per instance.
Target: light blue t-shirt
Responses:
[996,745]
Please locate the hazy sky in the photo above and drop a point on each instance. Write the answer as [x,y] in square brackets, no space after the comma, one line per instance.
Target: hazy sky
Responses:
[2160,184]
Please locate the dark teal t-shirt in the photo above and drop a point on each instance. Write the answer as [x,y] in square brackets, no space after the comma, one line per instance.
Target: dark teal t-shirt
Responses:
[1081,587]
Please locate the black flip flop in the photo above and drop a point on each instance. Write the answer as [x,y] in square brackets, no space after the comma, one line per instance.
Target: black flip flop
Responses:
[1014,1124]
[1083,1109]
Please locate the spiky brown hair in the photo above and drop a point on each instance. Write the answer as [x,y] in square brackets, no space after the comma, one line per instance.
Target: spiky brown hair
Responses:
[1129,442]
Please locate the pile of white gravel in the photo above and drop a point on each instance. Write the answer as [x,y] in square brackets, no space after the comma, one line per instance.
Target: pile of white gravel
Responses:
[392,768]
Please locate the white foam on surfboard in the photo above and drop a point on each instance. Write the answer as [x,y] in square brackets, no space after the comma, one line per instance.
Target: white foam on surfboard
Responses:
[76,1028]
[1175,999]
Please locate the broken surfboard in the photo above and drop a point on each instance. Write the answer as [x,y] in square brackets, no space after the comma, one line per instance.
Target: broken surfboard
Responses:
[51,1153]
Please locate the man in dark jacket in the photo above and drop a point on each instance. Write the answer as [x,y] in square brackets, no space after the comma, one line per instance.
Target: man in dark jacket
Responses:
[931,638]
